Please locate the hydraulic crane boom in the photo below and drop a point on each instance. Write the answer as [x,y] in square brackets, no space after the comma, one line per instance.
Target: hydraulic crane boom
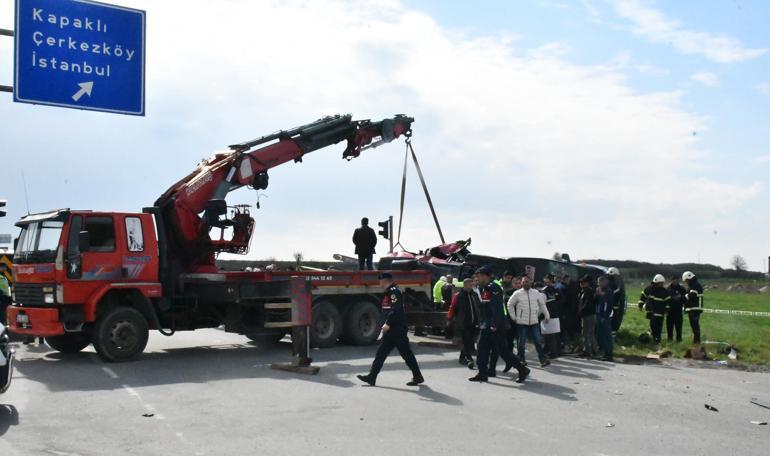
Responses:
[204,190]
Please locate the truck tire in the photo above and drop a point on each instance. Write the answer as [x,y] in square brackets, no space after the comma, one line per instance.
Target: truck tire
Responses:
[121,334]
[266,339]
[69,342]
[327,325]
[362,323]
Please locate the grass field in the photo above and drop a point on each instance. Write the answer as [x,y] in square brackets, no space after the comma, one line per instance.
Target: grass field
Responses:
[749,334]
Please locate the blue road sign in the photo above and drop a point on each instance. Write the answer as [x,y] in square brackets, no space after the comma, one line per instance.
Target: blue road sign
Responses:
[79,54]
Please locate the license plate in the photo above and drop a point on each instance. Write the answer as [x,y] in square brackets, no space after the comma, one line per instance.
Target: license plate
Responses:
[22,319]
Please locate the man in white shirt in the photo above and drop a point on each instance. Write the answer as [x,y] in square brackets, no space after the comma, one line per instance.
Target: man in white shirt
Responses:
[526,305]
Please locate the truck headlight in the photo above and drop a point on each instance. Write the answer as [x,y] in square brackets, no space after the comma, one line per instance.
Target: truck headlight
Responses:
[48,298]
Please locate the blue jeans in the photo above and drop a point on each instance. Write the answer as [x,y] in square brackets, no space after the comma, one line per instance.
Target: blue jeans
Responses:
[604,329]
[534,332]
[365,259]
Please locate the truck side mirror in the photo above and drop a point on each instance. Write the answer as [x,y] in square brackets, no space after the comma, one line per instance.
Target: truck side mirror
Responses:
[84,241]
[15,244]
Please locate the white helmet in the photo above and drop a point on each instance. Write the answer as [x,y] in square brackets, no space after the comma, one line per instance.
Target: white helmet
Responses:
[658,279]
[613,271]
[688,275]
[442,279]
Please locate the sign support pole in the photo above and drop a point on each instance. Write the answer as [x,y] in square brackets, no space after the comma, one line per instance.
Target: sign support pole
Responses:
[6,32]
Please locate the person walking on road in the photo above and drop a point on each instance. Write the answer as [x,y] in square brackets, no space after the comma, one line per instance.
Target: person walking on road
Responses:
[365,240]
[526,305]
[605,300]
[693,304]
[674,315]
[655,299]
[463,312]
[554,302]
[587,313]
[393,334]
[492,326]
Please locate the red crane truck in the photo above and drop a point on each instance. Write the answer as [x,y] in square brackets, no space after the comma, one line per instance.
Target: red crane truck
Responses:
[108,278]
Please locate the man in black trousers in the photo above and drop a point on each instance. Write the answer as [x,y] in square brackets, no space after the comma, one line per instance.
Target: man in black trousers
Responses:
[493,325]
[393,334]
[365,240]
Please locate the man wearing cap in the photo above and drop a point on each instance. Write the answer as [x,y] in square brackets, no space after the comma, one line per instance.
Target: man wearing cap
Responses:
[492,326]
[674,317]
[393,334]
[655,300]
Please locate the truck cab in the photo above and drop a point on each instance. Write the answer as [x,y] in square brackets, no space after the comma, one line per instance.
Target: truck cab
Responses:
[67,262]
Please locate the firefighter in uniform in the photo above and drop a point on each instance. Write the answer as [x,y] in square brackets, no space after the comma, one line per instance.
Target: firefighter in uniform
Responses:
[492,326]
[693,304]
[393,334]
[655,300]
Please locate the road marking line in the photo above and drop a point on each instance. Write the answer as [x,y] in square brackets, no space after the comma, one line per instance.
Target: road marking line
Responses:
[110,372]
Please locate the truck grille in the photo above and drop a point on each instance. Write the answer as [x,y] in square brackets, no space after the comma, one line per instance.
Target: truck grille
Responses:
[31,294]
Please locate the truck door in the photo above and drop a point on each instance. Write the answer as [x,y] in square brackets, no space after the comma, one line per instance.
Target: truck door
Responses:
[138,265]
[100,261]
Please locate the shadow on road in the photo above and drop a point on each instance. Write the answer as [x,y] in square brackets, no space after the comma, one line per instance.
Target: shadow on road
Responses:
[202,364]
[426,393]
[9,416]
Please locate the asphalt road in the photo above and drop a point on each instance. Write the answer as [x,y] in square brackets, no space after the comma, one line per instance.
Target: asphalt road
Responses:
[211,393]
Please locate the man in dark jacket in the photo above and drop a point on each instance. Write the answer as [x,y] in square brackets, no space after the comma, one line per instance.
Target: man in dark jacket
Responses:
[619,290]
[365,239]
[393,334]
[655,299]
[674,314]
[554,301]
[464,312]
[605,301]
[587,313]
[447,291]
[492,327]
[693,305]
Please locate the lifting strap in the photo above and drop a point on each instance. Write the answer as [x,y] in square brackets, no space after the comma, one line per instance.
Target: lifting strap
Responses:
[409,149]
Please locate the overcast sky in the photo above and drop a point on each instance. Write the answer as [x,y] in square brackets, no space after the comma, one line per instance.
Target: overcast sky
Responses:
[618,129]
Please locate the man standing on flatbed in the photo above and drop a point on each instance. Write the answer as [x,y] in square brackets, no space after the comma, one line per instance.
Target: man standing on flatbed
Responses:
[393,334]
[365,240]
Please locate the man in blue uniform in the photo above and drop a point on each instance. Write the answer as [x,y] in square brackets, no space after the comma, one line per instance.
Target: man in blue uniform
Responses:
[393,334]
[493,325]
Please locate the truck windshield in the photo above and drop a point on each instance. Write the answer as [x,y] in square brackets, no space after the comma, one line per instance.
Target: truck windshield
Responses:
[38,241]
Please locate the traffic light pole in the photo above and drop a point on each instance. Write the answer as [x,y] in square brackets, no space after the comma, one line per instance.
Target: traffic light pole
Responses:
[390,232]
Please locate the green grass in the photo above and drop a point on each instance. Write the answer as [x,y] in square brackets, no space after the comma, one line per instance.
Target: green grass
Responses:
[750,335]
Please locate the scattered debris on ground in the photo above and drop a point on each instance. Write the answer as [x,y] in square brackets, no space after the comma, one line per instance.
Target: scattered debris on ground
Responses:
[710,407]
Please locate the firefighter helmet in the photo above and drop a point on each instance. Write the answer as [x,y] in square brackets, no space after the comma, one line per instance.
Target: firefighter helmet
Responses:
[688,275]
[613,271]
[658,279]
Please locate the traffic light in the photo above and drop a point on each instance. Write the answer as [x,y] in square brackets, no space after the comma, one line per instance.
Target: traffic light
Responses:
[386,229]
[2,208]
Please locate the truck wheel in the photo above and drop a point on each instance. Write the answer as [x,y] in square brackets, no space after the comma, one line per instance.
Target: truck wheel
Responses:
[68,342]
[121,334]
[362,323]
[327,325]
[266,339]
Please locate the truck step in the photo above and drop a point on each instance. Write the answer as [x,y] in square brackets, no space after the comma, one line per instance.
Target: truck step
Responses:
[277,305]
[278,324]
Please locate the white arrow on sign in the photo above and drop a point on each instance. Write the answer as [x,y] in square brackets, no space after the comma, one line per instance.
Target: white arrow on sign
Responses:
[85,88]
